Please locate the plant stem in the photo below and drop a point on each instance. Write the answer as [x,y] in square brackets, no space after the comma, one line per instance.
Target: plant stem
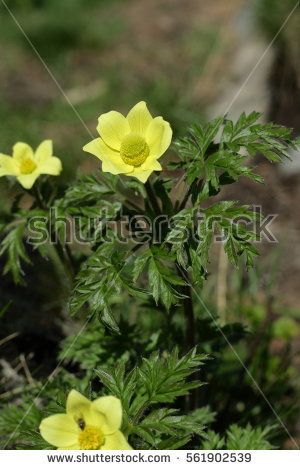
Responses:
[38,197]
[188,308]
[152,198]
[140,412]
[64,254]
[190,329]
[63,251]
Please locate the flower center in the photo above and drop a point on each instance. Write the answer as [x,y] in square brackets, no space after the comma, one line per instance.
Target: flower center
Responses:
[134,149]
[27,166]
[90,438]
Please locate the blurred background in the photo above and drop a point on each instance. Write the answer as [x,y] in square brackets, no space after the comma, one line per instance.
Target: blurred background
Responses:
[191,60]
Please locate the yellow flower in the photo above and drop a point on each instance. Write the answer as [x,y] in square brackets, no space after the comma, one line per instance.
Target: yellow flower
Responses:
[131,145]
[27,165]
[86,425]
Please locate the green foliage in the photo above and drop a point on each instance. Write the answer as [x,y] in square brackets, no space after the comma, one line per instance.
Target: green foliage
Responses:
[145,392]
[13,247]
[142,390]
[20,418]
[237,438]
[101,277]
[211,155]
[143,286]
[158,380]
[248,438]
[93,347]
[19,424]
[163,281]
[215,161]
[85,201]
[226,218]
[89,189]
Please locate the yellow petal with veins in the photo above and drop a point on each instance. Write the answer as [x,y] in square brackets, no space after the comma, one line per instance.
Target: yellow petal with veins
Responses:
[158,136]
[112,162]
[142,176]
[60,430]
[110,408]
[112,127]
[116,441]
[151,164]
[139,118]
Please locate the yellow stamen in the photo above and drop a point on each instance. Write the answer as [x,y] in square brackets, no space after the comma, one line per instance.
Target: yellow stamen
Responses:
[27,166]
[90,438]
[134,149]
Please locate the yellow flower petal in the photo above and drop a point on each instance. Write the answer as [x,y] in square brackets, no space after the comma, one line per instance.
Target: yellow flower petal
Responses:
[110,408]
[44,151]
[158,136]
[151,164]
[112,161]
[143,172]
[142,176]
[59,430]
[121,145]
[22,150]
[112,127]
[27,181]
[116,441]
[8,166]
[94,148]
[139,118]
[78,406]
[50,166]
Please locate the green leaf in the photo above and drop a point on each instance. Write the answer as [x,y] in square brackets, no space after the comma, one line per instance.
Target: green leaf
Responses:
[162,275]
[103,275]
[89,188]
[13,247]
[158,380]
[248,438]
